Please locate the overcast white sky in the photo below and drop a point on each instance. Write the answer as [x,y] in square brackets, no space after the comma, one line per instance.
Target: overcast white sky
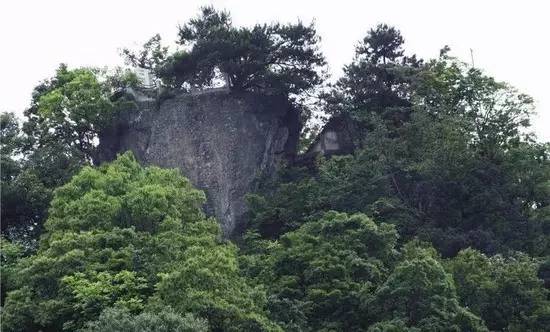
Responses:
[509,38]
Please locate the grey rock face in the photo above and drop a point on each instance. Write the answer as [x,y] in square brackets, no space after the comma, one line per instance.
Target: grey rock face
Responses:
[223,142]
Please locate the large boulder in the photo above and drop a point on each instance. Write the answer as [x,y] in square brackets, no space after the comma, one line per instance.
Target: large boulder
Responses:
[223,142]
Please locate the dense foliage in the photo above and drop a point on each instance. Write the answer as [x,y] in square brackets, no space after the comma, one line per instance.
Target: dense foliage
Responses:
[439,219]
[272,59]
[379,80]
[120,320]
[445,156]
[126,237]
[25,196]
[59,136]
[345,273]
[461,171]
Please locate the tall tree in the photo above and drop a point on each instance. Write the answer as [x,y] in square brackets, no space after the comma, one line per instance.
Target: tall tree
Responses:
[318,273]
[280,59]
[379,79]
[420,294]
[68,111]
[59,136]
[25,198]
[504,291]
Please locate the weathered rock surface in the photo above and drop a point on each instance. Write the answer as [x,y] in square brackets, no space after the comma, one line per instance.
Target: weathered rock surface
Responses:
[223,142]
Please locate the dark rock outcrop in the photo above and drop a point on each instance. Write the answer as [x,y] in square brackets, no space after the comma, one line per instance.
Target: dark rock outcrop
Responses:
[223,142]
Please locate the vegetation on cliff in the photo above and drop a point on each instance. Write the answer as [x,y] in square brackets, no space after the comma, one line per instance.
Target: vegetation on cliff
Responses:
[272,59]
[438,221]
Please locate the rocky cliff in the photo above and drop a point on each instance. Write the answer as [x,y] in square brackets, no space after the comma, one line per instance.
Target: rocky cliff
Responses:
[223,142]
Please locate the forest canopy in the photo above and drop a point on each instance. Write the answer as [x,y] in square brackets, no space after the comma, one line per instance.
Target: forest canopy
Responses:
[437,220]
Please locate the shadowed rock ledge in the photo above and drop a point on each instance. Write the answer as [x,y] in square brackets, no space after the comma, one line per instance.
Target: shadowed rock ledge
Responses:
[223,142]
